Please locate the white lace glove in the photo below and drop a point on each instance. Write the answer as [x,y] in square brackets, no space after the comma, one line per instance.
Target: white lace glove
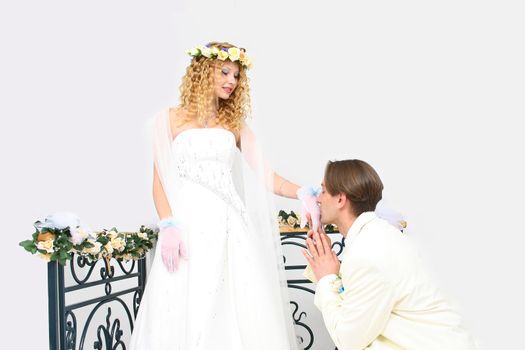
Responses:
[172,248]
[308,197]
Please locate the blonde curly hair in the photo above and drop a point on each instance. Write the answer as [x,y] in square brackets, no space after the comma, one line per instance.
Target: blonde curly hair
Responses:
[197,88]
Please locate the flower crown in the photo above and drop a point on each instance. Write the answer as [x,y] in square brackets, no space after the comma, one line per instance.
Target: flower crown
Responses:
[222,53]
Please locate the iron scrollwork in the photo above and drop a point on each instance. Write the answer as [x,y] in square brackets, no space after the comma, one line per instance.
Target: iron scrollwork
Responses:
[296,240]
[109,335]
[67,320]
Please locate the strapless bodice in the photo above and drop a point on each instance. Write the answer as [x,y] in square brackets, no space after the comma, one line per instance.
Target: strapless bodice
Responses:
[206,156]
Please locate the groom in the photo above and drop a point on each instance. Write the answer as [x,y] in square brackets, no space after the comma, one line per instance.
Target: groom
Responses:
[379,296]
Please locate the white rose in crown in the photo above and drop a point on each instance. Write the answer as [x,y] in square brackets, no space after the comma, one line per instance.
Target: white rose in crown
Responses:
[222,55]
[206,51]
[234,53]
[247,62]
[194,51]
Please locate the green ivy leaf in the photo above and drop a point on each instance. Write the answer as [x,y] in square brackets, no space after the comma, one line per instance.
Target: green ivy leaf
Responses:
[63,255]
[103,240]
[28,245]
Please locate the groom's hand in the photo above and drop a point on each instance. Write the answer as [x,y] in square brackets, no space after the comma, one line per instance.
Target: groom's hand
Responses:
[320,256]
[310,233]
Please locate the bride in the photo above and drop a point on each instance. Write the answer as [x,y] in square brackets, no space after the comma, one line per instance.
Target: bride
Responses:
[218,282]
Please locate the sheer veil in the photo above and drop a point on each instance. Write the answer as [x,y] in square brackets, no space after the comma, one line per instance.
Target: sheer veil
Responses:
[163,152]
[254,180]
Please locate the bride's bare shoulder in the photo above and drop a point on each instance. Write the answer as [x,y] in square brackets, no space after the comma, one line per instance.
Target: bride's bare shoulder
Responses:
[179,118]
[177,114]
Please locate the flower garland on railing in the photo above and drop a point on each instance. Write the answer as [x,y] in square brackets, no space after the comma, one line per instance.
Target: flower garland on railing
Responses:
[61,234]
[290,222]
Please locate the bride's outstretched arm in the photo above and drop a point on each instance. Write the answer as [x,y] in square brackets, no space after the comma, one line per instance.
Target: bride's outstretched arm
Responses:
[306,194]
[283,187]
[159,197]
[252,153]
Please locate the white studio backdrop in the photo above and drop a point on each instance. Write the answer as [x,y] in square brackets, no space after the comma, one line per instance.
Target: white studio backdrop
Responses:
[429,93]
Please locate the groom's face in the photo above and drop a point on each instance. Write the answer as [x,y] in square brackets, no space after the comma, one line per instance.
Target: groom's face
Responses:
[328,206]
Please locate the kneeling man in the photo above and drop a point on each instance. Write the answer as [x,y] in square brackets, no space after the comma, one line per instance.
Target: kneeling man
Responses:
[379,296]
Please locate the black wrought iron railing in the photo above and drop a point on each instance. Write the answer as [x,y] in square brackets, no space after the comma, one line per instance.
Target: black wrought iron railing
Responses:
[93,305]
[310,338]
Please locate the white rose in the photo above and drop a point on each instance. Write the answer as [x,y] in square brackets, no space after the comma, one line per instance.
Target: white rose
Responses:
[78,235]
[206,52]
[223,55]
[248,63]
[109,248]
[118,243]
[91,234]
[112,234]
[46,245]
[194,51]
[234,53]
[93,250]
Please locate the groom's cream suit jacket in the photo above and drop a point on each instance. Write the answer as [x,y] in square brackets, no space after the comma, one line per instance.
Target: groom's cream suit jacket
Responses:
[388,302]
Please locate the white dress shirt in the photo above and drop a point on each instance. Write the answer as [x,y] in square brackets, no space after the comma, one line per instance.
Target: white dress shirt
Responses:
[388,302]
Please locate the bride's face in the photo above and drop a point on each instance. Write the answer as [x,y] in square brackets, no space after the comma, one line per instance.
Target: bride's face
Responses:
[226,79]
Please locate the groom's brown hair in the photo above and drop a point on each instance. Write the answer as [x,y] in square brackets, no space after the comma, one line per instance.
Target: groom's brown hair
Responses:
[357,180]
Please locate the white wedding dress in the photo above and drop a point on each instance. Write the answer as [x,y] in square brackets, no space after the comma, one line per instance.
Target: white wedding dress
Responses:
[222,296]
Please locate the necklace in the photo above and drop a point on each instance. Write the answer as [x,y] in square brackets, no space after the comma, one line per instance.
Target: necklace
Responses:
[207,120]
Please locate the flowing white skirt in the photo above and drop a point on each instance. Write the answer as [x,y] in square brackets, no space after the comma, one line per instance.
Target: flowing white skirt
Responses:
[219,298]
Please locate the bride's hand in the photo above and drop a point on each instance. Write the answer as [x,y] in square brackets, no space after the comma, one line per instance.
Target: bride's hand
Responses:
[308,197]
[172,247]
